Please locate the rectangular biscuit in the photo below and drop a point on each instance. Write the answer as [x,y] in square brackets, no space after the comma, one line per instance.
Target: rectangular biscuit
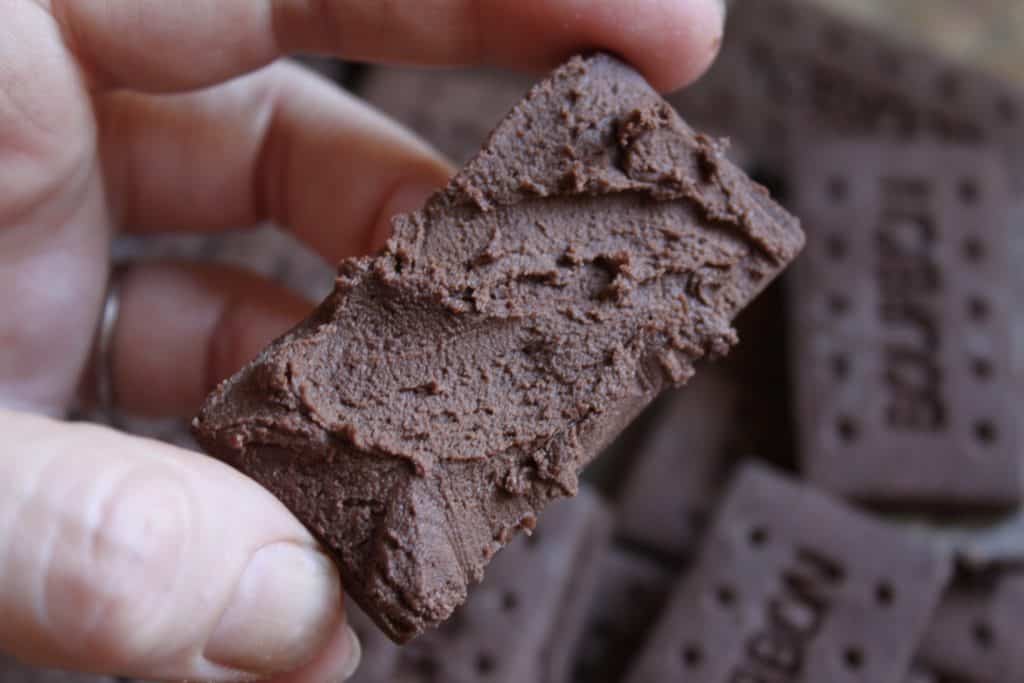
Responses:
[794,586]
[452,386]
[976,632]
[582,589]
[631,589]
[901,324]
[679,465]
[788,67]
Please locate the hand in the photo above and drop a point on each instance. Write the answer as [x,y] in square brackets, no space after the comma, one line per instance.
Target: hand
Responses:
[123,555]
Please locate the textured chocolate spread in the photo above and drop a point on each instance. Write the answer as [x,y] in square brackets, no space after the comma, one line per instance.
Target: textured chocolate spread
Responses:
[453,385]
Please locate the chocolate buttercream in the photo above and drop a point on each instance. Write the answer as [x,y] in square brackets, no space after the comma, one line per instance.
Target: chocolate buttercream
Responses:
[452,386]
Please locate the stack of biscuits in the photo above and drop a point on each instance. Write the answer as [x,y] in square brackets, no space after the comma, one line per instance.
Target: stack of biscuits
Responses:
[836,501]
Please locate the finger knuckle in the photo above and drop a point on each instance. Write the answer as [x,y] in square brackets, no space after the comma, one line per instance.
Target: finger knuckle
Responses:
[110,595]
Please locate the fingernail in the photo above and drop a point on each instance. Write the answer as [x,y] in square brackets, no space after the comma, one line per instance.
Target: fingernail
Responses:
[284,609]
[405,199]
[355,654]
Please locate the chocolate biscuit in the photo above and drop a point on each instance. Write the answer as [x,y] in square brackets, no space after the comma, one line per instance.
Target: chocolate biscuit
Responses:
[511,630]
[976,632]
[788,67]
[1016,255]
[793,586]
[580,592]
[630,592]
[901,339]
[680,464]
[452,386]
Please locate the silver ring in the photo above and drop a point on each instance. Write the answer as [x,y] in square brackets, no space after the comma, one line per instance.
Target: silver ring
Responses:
[103,360]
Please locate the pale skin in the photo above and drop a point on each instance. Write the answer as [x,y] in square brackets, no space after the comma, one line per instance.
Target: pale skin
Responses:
[121,555]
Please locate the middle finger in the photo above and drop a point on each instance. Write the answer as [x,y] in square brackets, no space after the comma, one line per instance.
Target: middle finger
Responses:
[281,145]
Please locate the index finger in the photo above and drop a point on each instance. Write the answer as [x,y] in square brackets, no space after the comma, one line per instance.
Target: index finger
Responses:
[155,45]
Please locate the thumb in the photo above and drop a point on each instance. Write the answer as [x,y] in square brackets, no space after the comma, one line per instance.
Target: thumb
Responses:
[121,555]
